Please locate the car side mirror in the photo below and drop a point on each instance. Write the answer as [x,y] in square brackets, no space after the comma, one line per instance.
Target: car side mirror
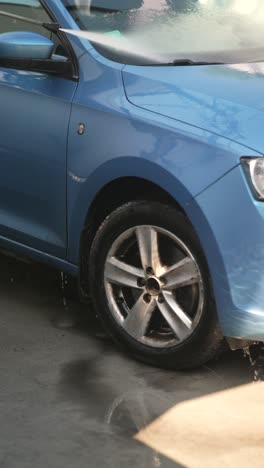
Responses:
[25,45]
[32,52]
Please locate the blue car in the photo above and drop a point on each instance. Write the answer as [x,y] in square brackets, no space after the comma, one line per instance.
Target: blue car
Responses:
[131,157]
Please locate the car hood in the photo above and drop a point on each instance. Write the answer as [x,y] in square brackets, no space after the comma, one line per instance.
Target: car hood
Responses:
[227,100]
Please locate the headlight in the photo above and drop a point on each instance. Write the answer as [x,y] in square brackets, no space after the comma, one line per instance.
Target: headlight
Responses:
[254,169]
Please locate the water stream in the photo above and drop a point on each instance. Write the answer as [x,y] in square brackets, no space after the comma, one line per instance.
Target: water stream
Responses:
[118,43]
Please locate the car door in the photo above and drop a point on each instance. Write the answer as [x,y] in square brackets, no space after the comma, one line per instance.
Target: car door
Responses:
[34,117]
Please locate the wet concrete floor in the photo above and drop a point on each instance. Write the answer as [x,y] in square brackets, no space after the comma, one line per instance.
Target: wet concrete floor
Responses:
[69,398]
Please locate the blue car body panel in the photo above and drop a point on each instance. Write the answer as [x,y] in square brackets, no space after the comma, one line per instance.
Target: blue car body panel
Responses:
[160,150]
[183,129]
[33,134]
[226,100]
[232,236]
[25,45]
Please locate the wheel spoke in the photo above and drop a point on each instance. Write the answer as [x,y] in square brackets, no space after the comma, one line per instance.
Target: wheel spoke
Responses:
[121,273]
[139,317]
[147,239]
[179,322]
[183,273]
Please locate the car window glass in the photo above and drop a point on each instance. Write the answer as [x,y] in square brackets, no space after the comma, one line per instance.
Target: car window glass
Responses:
[29,8]
[203,30]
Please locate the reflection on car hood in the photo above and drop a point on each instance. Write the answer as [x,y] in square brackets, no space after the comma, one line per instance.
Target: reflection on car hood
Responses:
[227,100]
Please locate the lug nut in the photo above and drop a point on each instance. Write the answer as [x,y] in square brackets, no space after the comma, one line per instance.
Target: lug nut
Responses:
[141,282]
[147,298]
[150,271]
[161,299]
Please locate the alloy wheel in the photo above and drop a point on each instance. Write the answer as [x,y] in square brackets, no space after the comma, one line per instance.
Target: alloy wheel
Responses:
[154,286]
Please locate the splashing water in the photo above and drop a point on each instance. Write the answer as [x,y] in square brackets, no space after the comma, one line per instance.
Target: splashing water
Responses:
[65,319]
[64,282]
[256,361]
[178,29]
[119,43]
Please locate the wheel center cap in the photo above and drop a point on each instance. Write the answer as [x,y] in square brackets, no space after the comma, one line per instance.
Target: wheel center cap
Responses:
[153,286]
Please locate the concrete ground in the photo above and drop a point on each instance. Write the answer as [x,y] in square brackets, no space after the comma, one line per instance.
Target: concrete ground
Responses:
[69,398]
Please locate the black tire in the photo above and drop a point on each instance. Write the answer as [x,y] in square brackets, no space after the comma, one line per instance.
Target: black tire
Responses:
[206,340]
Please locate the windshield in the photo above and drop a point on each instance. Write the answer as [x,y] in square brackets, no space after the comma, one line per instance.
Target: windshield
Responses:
[224,31]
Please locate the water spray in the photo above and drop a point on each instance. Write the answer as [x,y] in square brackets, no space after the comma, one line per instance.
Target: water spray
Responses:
[115,40]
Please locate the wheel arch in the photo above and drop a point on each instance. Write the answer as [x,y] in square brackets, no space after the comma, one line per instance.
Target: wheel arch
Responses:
[84,192]
[111,196]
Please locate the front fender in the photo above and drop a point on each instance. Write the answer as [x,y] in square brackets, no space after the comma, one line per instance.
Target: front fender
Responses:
[122,140]
[84,190]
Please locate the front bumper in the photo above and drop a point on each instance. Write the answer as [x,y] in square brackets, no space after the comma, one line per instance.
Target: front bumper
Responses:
[230,225]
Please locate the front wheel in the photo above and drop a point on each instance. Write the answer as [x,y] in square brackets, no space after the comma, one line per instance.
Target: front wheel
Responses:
[150,285]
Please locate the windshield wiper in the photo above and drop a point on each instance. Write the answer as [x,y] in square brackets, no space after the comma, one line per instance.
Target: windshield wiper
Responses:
[53,27]
[190,62]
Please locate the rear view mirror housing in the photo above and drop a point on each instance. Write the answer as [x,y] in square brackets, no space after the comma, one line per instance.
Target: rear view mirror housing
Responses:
[26,45]
[32,52]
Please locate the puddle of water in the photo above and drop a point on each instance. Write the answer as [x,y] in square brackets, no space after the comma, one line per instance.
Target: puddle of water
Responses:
[254,354]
